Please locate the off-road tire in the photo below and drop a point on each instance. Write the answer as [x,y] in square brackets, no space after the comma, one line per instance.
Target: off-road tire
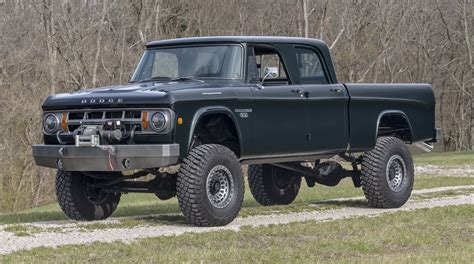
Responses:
[374,174]
[191,190]
[73,200]
[266,191]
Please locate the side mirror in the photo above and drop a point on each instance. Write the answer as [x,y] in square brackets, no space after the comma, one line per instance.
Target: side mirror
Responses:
[269,72]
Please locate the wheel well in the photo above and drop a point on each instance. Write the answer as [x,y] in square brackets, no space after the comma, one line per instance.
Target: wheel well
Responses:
[216,129]
[395,125]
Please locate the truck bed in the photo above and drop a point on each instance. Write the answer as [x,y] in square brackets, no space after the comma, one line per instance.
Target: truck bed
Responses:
[368,103]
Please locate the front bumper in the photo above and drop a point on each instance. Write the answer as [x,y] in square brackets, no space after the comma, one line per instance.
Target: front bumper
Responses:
[106,157]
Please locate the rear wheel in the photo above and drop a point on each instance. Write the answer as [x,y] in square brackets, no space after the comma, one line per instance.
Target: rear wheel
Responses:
[271,185]
[387,173]
[80,199]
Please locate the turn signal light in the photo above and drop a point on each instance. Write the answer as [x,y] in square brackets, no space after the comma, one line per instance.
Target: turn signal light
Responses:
[64,121]
[180,121]
[145,120]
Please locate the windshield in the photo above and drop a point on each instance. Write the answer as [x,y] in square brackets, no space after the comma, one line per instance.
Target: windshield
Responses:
[224,62]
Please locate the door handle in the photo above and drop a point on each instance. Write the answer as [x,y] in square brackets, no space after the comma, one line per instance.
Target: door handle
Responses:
[299,91]
[336,90]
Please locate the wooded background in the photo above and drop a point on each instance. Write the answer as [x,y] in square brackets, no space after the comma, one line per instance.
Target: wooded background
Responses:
[49,46]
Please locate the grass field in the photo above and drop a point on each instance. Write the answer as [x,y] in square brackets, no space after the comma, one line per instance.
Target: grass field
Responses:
[436,235]
[445,158]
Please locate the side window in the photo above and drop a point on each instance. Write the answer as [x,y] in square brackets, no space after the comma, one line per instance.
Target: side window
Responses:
[267,57]
[310,67]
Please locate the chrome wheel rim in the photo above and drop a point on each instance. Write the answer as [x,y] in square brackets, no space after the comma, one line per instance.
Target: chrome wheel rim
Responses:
[396,172]
[219,186]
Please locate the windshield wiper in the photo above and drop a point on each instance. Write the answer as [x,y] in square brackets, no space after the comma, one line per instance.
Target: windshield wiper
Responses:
[185,78]
[157,78]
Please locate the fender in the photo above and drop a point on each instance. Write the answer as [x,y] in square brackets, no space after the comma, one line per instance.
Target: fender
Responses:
[202,112]
[396,112]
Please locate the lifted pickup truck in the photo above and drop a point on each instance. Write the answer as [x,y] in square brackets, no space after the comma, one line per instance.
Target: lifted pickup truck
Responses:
[210,104]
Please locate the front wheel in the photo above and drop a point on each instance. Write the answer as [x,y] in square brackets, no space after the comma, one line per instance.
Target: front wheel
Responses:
[210,186]
[387,173]
[81,200]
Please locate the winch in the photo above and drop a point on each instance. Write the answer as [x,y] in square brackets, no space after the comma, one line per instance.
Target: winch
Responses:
[112,131]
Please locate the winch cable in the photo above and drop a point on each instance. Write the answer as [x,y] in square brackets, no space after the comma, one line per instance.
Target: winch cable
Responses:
[110,163]
[111,151]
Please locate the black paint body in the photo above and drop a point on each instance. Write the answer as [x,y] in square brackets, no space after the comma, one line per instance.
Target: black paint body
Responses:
[326,119]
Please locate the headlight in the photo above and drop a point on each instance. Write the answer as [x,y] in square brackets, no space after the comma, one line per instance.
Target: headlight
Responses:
[159,121]
[50,123]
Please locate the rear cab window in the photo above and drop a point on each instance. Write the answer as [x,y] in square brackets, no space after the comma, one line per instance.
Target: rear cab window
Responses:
[310,66]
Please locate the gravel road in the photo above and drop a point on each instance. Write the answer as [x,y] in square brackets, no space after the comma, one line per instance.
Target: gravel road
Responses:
[457,171]
[70,235]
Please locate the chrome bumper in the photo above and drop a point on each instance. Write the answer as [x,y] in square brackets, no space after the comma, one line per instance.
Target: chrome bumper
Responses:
[105,157]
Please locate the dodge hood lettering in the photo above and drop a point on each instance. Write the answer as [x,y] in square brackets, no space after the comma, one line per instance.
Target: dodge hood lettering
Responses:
[101,101]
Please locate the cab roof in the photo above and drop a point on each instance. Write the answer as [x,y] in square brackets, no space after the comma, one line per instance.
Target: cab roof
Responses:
[239,39]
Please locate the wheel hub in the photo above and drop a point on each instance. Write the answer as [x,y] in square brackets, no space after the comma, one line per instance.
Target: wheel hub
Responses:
[395,173]
[94,194]
[219,186]
[280,179]
[215,188]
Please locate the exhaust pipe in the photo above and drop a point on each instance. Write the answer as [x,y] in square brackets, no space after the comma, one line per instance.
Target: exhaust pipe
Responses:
[424,146]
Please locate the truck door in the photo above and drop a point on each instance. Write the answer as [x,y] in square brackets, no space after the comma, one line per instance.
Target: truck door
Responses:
[327,104]
[279,112]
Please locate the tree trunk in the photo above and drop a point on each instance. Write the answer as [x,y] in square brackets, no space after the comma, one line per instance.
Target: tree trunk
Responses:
[306,19]
[472,120]
[98,44]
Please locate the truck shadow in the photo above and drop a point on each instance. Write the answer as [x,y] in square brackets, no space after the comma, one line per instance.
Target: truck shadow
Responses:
[343,203]
[175,220]
[58,216]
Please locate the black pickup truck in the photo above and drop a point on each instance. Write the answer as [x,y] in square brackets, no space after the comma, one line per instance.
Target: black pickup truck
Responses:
[210,104]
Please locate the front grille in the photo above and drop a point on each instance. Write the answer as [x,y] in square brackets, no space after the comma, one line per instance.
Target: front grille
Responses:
[101,115]
[130,118]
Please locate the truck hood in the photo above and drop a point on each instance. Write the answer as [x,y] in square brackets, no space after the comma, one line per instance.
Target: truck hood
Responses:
[143,94]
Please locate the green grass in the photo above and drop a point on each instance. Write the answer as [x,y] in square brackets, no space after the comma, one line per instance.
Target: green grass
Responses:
[427,235]
[444,194]
[22,230]
[445,158]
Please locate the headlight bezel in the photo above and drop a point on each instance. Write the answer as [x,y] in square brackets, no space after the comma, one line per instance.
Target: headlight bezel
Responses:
[156,119]
[56,122]
[167,117]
